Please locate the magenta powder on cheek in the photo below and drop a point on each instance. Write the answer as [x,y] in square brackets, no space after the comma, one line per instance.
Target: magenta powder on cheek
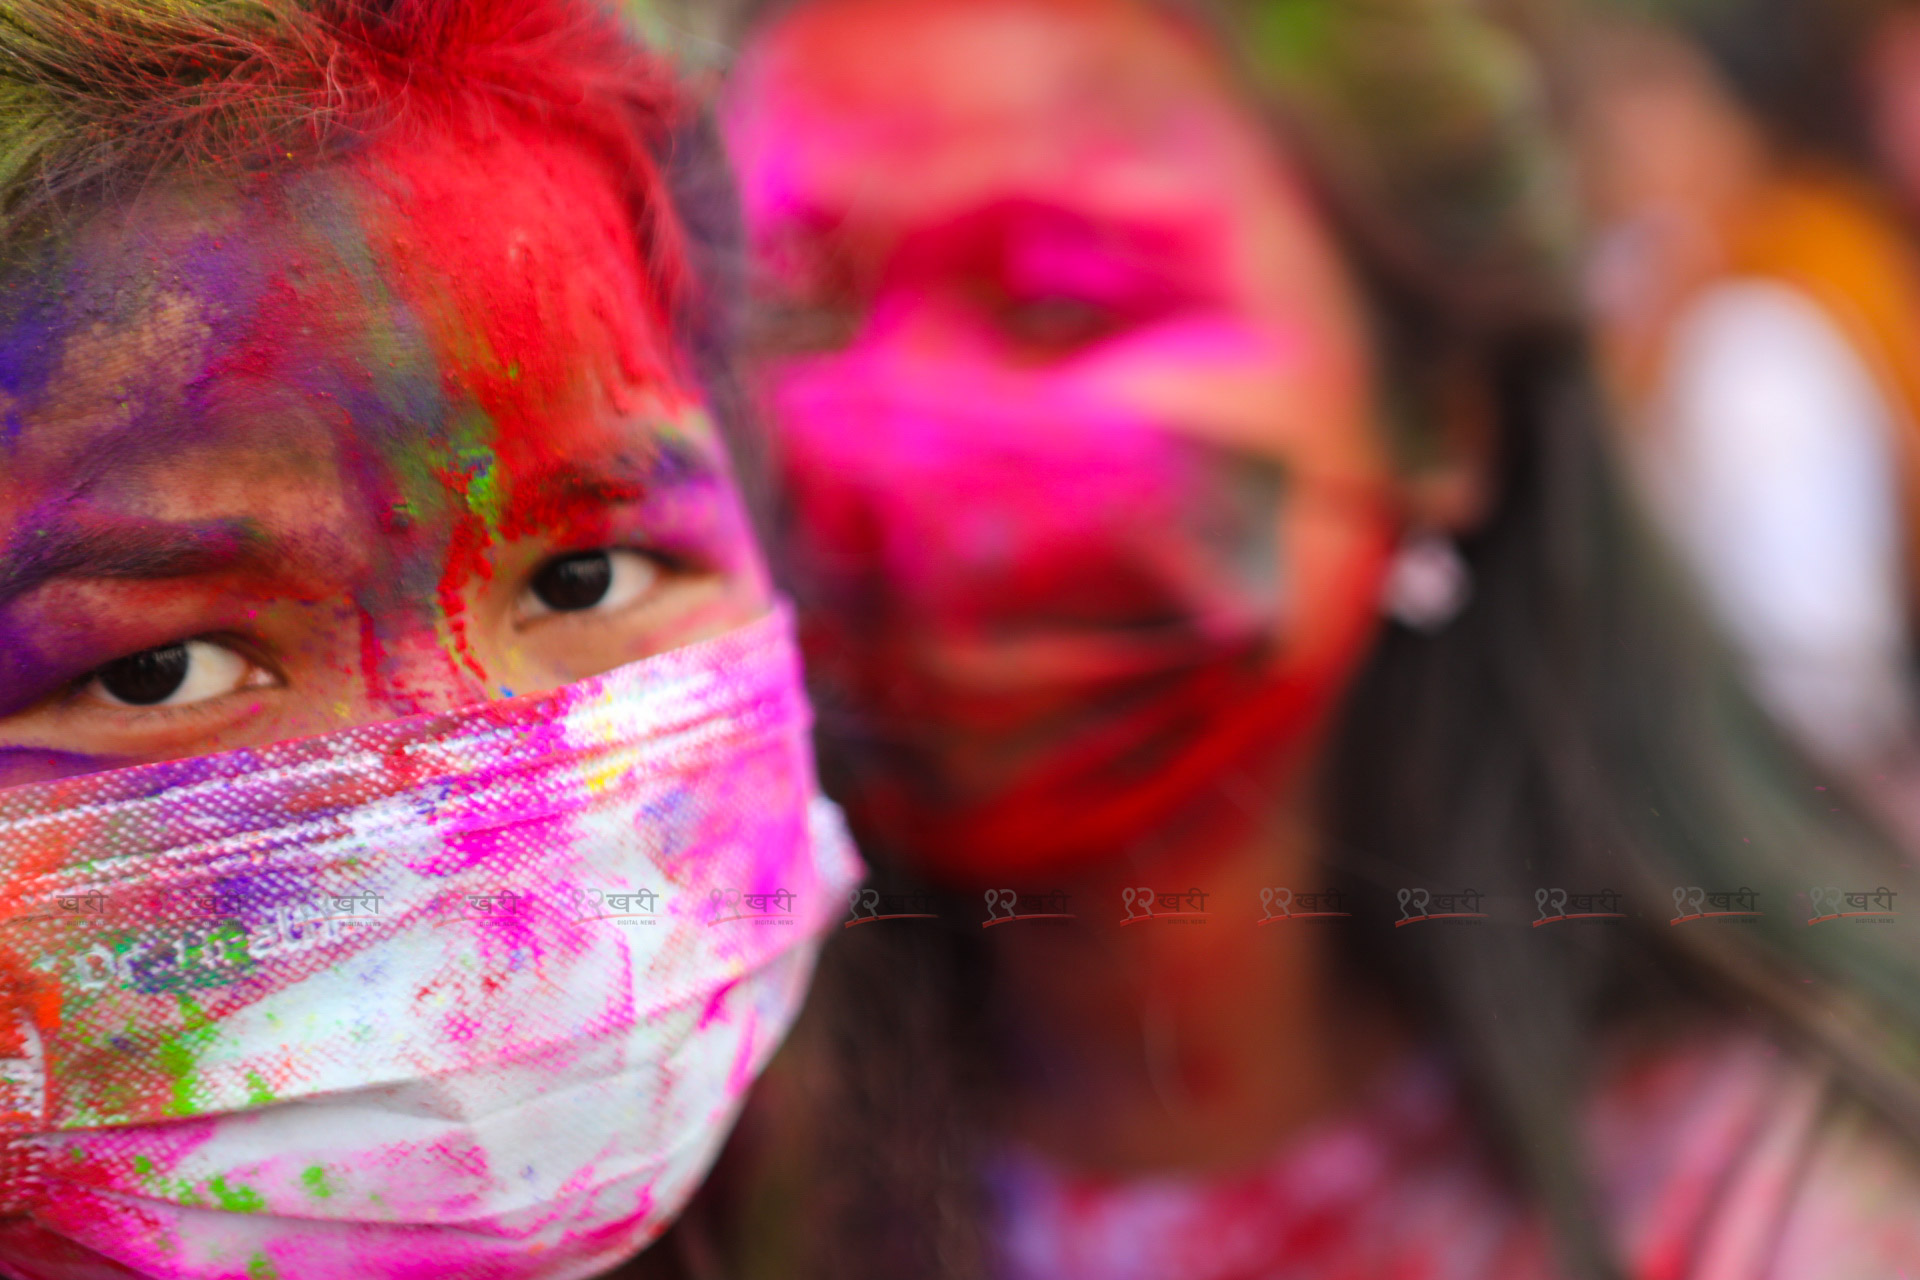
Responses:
[459,994]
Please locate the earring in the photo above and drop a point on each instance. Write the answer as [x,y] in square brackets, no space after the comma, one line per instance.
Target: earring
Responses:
[1428,585]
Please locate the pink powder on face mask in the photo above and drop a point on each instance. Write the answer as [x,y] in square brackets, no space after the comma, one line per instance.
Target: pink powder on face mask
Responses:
[477,1050]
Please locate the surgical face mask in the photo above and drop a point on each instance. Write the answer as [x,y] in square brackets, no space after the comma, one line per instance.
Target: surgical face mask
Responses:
[474,994]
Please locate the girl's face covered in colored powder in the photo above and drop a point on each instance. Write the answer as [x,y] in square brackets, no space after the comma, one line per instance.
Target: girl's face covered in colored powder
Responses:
[448,862]
[1094,508]
[377,439]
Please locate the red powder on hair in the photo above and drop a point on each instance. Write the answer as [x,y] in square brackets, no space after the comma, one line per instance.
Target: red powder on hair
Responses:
[516,250]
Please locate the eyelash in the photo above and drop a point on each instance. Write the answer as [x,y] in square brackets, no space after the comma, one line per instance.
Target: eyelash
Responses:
[249,652]
[672,564]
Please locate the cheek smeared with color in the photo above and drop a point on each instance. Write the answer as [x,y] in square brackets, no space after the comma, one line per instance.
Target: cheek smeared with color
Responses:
[458,995]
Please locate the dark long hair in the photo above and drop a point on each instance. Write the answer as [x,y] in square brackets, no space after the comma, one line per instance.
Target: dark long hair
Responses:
[1578,726]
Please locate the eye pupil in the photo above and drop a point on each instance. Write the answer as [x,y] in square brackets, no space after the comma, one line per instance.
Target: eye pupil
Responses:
[147,679]
[574,583]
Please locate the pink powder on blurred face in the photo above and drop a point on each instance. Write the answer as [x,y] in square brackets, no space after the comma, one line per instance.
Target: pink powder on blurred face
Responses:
[1093,490]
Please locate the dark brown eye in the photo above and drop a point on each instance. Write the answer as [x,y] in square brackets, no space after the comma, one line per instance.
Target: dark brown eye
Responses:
[180,674]
[574,583]
[589,582]
[147,679]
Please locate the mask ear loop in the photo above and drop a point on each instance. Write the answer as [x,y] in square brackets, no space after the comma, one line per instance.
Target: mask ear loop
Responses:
[1429,583]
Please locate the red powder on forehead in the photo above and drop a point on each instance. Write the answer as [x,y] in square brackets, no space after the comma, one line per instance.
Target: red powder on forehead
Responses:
[547,97]
[518,253]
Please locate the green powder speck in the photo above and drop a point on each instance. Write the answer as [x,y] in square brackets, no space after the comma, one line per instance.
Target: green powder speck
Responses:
[259,1094]
[178,1056]
[484,497]
[260,1267]
[235,1199]
[316,1182]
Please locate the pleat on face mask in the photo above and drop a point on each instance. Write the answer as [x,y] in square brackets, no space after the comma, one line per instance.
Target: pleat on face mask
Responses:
[474,994]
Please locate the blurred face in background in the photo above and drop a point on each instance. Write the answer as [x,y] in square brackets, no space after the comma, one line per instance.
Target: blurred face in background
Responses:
[1668,160]
[1077,411]
[1894,85]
